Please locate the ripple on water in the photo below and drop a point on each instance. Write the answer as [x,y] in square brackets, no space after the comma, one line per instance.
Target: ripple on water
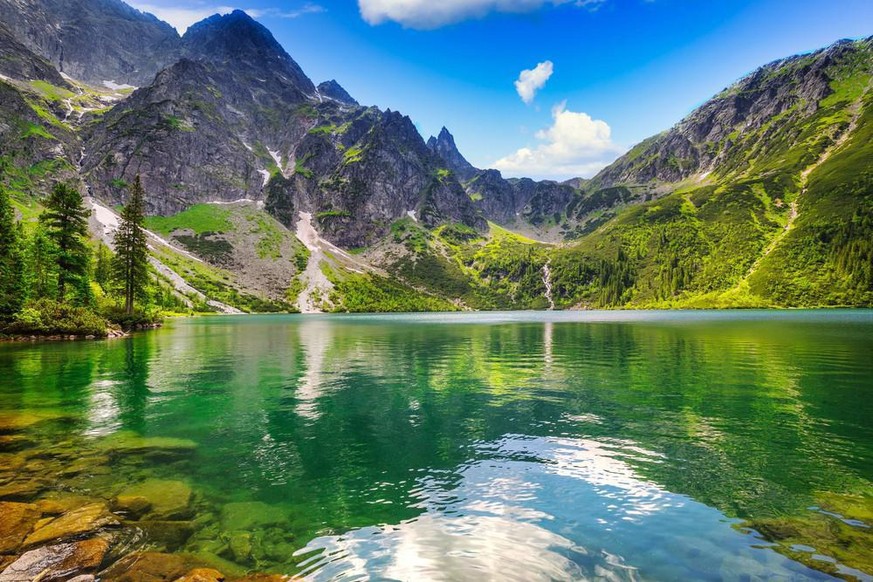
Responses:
[553,509]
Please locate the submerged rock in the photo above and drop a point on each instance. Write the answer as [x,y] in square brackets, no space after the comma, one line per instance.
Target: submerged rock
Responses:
[57,562]
[202,575]
[23,490]
[134,506]
[132,443]
[77,522]
[16,521]
[169,500]
[250,515]
[15,422]
[170,534]
[150,567]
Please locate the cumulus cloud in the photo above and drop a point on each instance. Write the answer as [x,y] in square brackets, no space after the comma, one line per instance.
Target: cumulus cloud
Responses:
[574,146]
[181,18]
[532,80]
[426,14]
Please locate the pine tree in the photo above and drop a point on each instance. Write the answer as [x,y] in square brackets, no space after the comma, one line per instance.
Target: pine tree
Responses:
[41,268]
[12,284]
[66,219]
[103,266]
[131,248]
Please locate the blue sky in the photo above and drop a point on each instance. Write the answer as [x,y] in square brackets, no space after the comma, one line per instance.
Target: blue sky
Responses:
[611,72]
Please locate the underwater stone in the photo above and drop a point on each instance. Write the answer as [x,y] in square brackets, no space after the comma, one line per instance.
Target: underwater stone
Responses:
[202,575]
[16,521]
[170,500]
[57,562]
[74,523]
[170,534]
[134,506]
[250,515]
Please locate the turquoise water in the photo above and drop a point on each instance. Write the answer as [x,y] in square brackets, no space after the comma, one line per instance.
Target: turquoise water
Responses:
[530,446]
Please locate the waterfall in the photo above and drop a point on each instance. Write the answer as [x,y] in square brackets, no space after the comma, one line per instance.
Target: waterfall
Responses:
[547,281]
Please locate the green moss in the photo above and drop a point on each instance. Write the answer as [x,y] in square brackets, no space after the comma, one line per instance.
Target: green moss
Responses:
[200,218]
[353,155]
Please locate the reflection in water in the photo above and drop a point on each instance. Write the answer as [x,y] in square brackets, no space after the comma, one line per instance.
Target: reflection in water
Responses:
[594,518]
[452,446]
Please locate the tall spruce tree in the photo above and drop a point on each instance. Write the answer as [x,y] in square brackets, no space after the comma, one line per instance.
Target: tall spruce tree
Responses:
[66,220]
[12,284]
[131,248]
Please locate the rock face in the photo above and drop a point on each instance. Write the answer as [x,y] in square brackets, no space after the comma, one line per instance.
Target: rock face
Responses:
[775,99]
[444,146]
[93,40]
[333,90]
[359,170]
[503,201]
[238,119]
[19,62]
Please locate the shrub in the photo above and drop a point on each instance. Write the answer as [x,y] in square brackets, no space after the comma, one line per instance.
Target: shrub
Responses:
[49,317]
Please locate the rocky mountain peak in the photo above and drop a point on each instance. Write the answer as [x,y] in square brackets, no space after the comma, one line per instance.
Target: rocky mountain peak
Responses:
[93,40]
[238,41]
[333,90]
[444,146]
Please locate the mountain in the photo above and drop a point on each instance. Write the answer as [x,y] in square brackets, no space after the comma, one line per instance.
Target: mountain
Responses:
[759,197]
[237,118]
[93,40]
[444,146]
[269,192]
[333,90]
[520,203]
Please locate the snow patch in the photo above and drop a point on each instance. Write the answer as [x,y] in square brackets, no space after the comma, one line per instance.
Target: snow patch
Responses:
[107,221]
[248,147]
[116,87]
[275,155]
[4,78]
[230,203]
[411,214]
[266,176]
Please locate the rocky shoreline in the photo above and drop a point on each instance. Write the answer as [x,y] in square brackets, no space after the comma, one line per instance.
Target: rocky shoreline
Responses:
[86,510]
[116,333]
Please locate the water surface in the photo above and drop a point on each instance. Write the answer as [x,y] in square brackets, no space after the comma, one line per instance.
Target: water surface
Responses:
[530,446]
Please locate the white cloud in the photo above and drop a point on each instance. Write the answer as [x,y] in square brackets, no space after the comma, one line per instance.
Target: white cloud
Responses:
[182,18]
[574,146]
[532,80]
[426,14]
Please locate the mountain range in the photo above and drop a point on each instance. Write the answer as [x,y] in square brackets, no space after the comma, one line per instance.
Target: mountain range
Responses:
[267,191]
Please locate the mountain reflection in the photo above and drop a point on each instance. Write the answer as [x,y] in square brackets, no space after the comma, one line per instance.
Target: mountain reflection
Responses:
[430,446]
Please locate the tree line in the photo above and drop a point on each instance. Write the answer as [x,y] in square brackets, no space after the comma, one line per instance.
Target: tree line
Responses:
[55,279]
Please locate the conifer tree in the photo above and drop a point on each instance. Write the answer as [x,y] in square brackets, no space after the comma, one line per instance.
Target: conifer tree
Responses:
[12,285]
[131,248]
[66,220]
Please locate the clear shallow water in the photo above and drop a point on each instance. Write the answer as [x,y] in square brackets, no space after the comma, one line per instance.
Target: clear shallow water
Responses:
[534,446]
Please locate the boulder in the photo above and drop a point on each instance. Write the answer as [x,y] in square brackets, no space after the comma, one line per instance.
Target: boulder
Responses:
[133,506]
[132,443]
[249,515]
[74,523]
[202,575]
[149,567]
[22,490]
[16,521]
[170,500]
[57,562]
[170,534]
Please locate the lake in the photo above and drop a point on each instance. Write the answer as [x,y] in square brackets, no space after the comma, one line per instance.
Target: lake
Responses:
[526,446]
